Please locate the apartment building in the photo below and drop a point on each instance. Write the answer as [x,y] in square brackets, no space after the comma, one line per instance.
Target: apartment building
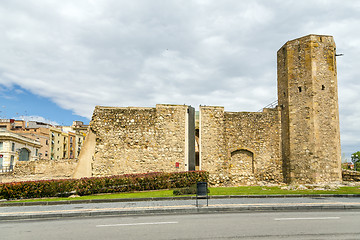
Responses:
[14,147]
[56,142]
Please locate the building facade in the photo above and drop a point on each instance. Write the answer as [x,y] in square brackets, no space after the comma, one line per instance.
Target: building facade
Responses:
[39,134]
[14,148]
[57,142]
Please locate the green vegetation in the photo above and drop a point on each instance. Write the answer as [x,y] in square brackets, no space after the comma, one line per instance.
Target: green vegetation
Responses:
[147,194]
[252,190]
[355,158]
[98,185]
[257,190]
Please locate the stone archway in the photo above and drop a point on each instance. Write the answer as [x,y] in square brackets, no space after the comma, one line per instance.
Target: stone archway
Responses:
[24,154]
[242,165]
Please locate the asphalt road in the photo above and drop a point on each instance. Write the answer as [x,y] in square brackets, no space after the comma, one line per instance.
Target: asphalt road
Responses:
[261,225]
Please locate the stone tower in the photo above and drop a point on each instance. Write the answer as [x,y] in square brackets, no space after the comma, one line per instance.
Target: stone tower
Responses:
[307,94]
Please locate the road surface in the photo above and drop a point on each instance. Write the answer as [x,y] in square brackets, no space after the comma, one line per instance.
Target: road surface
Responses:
[256,225]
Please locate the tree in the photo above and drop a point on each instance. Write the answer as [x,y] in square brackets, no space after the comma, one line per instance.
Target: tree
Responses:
[355,158]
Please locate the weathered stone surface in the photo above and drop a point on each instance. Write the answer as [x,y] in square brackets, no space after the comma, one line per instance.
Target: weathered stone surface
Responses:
[138,140]
[351,176]
[307,95]
[240,148]
[41,170]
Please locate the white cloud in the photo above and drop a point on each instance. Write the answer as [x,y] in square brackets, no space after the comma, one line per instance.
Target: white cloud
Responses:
[37,119]
[138,53]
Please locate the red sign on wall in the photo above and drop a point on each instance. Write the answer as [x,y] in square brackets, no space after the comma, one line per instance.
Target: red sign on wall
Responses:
[177,164]
[1,156]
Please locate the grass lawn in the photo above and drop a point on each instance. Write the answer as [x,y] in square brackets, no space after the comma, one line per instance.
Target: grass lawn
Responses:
[257,190]
[251,190]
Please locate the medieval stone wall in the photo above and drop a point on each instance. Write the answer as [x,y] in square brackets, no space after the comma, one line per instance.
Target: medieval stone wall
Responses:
[138,140]
[351,176]
[213,152]
[297,142]
[40,170]
[240,148]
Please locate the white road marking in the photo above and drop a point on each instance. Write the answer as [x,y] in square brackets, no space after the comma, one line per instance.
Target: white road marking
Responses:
[313,218]
[136,224]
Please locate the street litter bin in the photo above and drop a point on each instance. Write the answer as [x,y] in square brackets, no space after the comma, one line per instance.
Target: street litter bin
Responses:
[202,192]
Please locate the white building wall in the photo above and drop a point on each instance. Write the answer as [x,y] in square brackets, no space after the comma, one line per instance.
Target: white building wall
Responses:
[12,145]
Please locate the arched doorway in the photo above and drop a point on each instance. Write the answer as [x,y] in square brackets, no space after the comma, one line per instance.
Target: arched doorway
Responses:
[242,163]
[24,154]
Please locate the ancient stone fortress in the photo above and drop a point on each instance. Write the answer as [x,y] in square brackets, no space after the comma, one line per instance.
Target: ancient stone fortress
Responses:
[296,142]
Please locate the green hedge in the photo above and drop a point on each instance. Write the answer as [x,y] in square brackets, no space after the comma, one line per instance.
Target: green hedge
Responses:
[88,186]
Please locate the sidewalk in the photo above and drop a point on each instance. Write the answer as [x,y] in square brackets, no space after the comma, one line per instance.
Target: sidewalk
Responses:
[184,205]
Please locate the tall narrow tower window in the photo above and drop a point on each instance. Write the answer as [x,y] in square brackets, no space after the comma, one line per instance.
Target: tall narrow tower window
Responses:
[299,89]
[323,87]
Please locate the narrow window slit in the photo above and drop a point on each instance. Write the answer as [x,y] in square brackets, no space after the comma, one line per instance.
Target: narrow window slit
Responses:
[299,89]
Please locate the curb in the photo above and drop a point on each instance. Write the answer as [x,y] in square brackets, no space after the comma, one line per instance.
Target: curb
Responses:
[200,210]
[42,203]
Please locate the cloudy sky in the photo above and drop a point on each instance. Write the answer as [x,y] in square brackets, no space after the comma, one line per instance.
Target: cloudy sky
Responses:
[59,59]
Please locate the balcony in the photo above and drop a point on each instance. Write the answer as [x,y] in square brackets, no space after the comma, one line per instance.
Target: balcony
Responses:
[4,169]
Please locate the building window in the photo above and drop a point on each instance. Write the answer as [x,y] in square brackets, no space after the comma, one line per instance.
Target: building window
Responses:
[13,147]
[47,142]
[12,160]
[24,154]
[1,145]
[36,152]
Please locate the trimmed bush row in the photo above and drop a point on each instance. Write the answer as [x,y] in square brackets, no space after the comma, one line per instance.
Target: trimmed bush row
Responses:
[88,186]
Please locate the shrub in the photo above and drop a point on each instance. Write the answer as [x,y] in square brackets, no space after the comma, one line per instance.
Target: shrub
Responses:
[112,184]
[185,191]
[191,190]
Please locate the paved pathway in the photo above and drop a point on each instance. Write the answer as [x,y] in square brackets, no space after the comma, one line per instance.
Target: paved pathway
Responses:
[178,206]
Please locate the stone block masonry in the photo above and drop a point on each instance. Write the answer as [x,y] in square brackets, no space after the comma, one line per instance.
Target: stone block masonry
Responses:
[138,140]
[40,170]
[240,148]
[307,93]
